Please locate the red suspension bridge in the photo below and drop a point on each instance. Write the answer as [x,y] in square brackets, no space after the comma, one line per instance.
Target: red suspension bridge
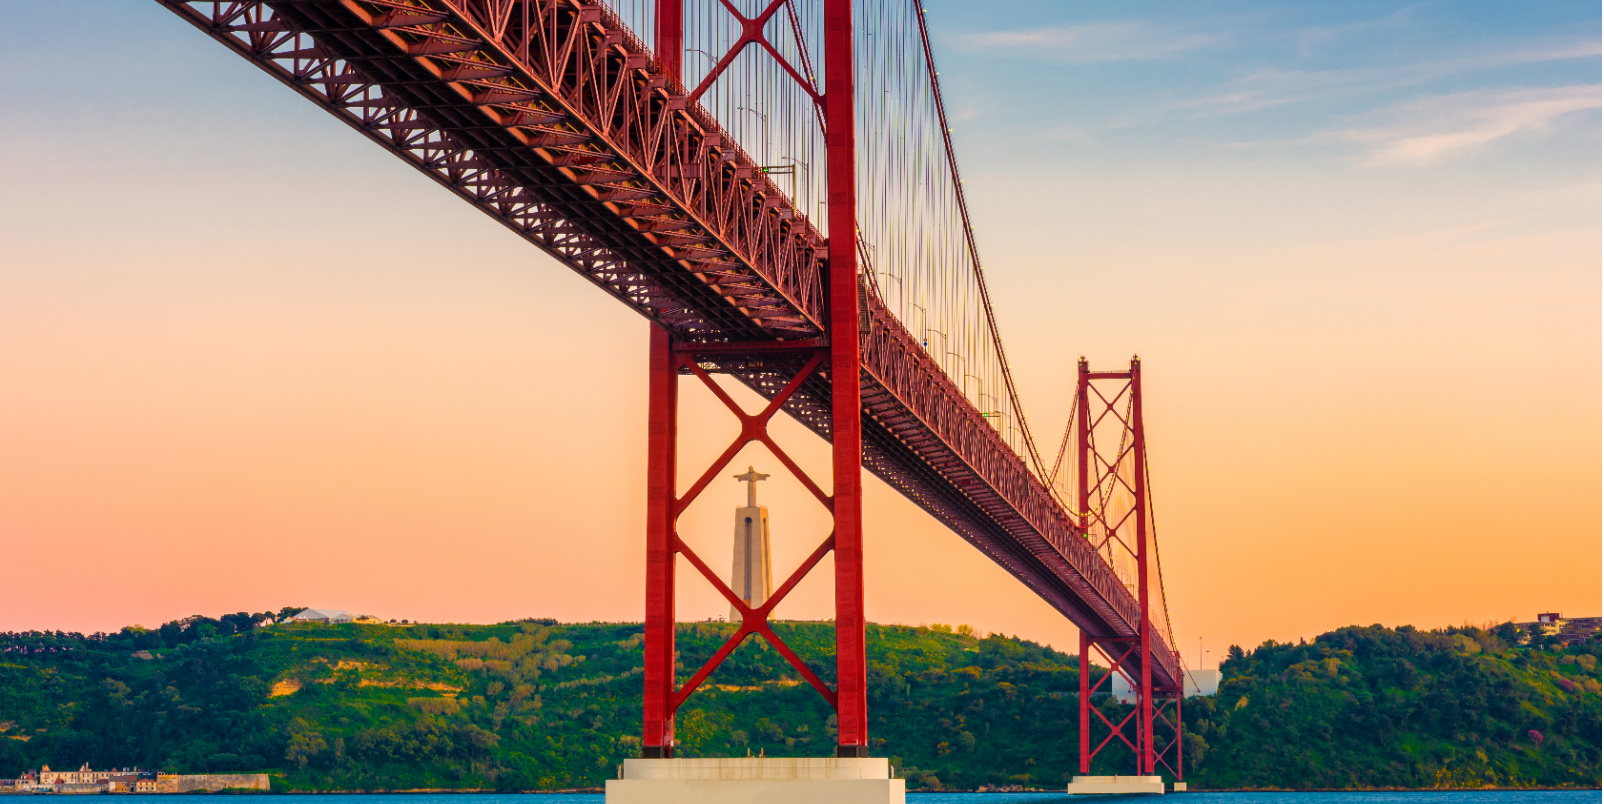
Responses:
[772,184]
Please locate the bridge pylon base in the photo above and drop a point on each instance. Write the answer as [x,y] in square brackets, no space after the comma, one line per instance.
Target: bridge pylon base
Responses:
[1116,785]
[745,780]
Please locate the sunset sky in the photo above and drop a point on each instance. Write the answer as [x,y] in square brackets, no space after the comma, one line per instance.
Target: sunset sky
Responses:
[250,360]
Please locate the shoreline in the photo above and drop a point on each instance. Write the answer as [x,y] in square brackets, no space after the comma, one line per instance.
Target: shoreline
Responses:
[601,790]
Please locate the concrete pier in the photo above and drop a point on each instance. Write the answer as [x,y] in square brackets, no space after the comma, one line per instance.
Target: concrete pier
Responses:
[1116,785]
[754,780]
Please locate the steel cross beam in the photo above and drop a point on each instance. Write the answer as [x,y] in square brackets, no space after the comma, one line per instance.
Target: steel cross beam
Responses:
[752,33]
[1116,665]
[663,693]
[1169,754]
[1148,711]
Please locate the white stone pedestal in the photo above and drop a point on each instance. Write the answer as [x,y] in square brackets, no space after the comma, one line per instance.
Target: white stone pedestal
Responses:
[1178,787]
[753,780]
[1116,785]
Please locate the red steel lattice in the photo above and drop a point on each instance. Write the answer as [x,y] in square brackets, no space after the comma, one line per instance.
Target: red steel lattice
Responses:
[1122,530]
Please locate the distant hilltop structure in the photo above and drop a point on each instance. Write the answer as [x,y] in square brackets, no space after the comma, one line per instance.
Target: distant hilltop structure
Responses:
[1570,630]
[333,616]
[326,616]
[751,579]
[129,780]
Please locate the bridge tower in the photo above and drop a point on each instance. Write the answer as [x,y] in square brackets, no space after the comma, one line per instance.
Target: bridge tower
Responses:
[838,353]
[1113,505]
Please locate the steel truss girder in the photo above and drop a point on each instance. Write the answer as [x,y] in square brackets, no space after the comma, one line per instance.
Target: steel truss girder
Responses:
[665,694]
[549,70]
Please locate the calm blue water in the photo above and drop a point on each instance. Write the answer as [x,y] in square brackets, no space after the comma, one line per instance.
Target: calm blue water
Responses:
[1429,797]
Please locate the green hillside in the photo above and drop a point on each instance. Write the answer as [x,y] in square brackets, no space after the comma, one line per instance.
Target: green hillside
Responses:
[537,704]
[1377,707]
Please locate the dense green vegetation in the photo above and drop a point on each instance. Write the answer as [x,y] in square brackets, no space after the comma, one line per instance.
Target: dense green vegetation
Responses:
[1379,707]
[537,704]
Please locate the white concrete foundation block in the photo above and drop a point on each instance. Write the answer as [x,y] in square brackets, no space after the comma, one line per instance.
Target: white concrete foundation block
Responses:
[1178,787]
[753,780]
[1116,785]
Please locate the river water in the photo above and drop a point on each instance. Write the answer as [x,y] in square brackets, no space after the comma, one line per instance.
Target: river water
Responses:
[1422,797]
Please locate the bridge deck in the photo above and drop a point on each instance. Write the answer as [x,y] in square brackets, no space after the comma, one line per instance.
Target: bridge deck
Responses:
[552,118]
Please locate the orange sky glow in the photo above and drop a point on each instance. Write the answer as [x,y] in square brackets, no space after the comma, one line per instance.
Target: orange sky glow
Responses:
[264,364]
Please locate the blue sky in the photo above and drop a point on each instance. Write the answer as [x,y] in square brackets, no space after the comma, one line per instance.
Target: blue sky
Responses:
[1370,83]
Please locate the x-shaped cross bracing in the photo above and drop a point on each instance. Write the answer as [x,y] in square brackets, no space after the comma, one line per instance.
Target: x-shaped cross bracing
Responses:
[752,34]
[754,619]
[1116,666]
[1105,471]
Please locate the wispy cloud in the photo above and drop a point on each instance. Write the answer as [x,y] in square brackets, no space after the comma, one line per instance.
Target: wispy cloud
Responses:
[1093,42]
[1315,38]
[1431,131]
[1270,87]
[1274,87]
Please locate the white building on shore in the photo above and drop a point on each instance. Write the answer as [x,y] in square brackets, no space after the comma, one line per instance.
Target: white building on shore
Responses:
[129,780]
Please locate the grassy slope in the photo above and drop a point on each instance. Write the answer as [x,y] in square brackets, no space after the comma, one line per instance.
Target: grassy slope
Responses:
[536,704]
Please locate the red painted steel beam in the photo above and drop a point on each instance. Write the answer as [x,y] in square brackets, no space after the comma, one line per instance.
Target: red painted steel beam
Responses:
[1144,703]
[662,448]
[657,739]
[663,693]
[846,416]
[1085,700]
